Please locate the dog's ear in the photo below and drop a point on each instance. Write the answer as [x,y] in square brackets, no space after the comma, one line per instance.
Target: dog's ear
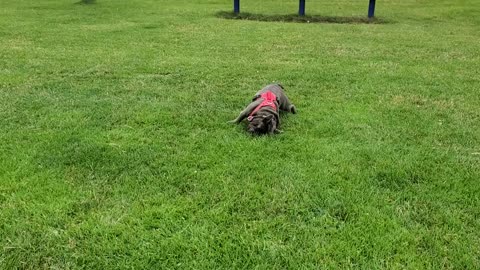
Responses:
[255,97]
[270,123]
[268,118]
[272,126]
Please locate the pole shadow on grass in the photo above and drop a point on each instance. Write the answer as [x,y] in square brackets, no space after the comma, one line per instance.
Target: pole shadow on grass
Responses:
[299,19]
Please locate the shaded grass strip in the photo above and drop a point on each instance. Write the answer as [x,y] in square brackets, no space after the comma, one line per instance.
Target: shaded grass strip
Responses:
[299,19]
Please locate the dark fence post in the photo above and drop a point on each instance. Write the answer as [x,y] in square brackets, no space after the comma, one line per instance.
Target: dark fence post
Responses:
[371,9]
[301,8]
[236,6]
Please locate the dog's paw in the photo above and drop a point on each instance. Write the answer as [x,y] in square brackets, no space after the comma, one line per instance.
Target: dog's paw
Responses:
[293,109]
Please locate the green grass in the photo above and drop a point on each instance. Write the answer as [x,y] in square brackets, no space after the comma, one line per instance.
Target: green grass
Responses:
[115,152]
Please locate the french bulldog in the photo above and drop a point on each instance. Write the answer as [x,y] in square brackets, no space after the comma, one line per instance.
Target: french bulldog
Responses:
[263,112]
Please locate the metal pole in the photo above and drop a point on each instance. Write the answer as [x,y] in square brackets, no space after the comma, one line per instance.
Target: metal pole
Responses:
[236,6]
[371,9]
[301,8]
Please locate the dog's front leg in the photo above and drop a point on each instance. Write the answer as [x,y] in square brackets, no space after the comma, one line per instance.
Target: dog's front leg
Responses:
[248,110]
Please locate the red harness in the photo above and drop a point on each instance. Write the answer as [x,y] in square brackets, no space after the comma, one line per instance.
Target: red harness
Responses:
[269,99]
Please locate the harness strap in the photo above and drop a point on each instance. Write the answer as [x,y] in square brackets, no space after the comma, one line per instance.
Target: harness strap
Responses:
[269,99]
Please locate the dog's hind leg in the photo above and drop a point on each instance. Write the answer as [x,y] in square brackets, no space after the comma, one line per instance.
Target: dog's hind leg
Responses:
[288,107]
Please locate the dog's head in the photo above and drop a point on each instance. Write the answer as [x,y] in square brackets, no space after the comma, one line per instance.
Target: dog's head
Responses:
[262,124]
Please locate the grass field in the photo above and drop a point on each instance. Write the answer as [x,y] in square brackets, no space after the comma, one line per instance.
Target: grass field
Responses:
[115,152]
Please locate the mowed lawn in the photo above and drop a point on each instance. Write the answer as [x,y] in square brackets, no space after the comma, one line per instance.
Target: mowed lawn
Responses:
[115,152]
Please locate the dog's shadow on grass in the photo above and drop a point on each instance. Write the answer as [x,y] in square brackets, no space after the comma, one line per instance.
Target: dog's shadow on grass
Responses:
[298,19]
[86,2]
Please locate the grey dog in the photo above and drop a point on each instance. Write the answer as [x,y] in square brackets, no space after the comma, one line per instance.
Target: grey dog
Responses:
[263,112]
